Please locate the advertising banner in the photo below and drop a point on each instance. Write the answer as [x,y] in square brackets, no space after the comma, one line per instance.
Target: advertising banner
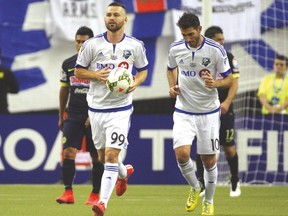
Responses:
[30,151]
[229,14]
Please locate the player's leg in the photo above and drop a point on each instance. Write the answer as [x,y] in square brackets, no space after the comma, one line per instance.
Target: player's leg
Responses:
[227,142]
[183,135]
[208,147]
[116,131]
[200,173]
[72,140]
[97,169]
[125,171]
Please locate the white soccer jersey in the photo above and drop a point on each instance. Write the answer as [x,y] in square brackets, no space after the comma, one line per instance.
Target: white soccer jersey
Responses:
[97,53]
[192,64]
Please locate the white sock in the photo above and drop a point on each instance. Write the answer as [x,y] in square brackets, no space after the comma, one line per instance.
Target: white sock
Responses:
[188,173]
[122,170]
[210,176]
[108,181]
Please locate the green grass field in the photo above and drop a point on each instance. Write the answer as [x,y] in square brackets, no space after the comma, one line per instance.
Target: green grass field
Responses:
[140,200]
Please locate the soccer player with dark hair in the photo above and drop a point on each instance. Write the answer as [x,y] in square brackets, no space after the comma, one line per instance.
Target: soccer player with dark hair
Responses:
[227,129]
[110,113]
[193,64]
[77,124]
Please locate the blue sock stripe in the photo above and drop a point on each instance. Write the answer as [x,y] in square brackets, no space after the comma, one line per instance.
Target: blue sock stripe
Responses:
[185,164]
[112,168]
[210,170]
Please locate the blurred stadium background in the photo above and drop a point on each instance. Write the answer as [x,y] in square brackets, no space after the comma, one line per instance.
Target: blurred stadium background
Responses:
[37,35]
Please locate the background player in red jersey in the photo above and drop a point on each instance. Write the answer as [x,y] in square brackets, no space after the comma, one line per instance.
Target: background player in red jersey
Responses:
[77,124]
[227,129]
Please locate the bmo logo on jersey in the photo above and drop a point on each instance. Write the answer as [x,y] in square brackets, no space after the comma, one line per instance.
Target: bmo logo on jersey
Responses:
[101,66]
[188,73]
[111,66]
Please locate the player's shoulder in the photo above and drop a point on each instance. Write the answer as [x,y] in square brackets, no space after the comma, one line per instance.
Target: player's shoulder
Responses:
[268,78]
[71,60]
[93,40]
[134,40]
[4,69]
[211,44]
[177,44]
[230,55]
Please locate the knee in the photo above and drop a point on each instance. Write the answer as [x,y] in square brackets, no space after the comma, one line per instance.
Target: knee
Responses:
[111,155]
[70,153]
[209,161]
[230,151]
[182,156]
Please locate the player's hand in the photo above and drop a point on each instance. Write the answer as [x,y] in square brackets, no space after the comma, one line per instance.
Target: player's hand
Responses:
[133,86]
[209,81]
[224,107]
[87,122]
[174,91]
[102,74]
[61,124]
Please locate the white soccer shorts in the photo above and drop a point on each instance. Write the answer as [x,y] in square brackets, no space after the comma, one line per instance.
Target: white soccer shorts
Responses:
[204,127]
[110,129]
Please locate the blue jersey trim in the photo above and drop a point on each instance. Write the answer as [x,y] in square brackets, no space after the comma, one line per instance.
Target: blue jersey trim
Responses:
[171,69]
[80,66]
[225,74]
[117,109]
[142,69]
[191,113]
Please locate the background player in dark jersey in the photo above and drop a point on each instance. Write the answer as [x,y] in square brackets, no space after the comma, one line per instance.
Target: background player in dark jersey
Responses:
[77,124]
[227,130]
[8,84]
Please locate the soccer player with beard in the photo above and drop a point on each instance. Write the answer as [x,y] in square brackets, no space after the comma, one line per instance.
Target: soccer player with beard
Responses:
[193,63]
[109,112]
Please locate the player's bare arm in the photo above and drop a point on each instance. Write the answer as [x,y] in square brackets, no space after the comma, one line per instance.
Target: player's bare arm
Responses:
[63,99]
[139,79]
[231,94]
[268,106]
[100,75]
[172,80]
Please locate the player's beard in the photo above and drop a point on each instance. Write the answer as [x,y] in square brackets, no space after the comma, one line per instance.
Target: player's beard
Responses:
[113,27]
[194,43]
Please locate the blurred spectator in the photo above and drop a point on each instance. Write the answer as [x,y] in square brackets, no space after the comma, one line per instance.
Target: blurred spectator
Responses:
[273,89]
[8,84]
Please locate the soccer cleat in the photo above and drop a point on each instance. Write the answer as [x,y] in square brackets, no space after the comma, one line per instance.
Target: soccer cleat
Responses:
[99,209]
[67,197]
[207,208]
[121,184]
[92,199]
[236,192]
[192,200]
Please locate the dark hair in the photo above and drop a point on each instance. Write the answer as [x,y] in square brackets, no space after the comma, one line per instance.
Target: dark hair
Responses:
[118,4]
[212,31]
[282,58]
[188,20]
[84,30]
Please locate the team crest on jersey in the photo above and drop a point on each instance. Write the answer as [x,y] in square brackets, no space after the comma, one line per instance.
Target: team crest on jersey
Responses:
[206,61]
[126,54]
